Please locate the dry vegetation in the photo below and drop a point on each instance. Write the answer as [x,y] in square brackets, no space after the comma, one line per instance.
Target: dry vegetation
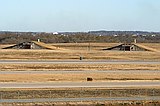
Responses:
[87,71]
[77,92]
[74,66]
[87,50]
[95,103]
[77,77]
[75,54]
[152,45]
[85,46]
[77,50]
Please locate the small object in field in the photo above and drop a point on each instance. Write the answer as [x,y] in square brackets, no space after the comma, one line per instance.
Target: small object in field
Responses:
[81,58]
[89,79]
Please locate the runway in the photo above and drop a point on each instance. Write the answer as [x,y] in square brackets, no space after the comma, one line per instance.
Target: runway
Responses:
[82,72]
[107,84]
[152,98]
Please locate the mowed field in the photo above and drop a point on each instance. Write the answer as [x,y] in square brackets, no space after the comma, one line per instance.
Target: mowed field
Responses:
[89,51]
[82,77]
[73,51]
[78,72]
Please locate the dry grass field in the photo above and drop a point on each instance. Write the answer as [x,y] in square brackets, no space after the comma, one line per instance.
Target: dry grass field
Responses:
[152,45]
[75,50]
[95,103]
[77,92]
[81,92]
[75,54]
[98,46]
[85,46]
[78,77]
[74,67]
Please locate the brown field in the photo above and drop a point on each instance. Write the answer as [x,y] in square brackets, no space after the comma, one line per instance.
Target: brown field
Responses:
[75,54]
[95,103]
[72,66]
[75,50]
[152,45]
[81,92]
[98,46]
[77,77]
[85,46]
[77,92]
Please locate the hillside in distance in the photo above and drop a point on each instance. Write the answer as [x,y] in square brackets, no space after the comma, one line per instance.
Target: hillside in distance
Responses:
[103,32]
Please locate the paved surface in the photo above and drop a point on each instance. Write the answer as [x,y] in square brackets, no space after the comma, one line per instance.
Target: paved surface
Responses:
[75,62]
[79,72]
[80,99]
[107,84]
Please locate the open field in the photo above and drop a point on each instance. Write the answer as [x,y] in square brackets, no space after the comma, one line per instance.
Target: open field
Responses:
[77,92]
[152,45]
[85,46]
[94,103]
[98,46]
[54,93]
[20,94]
[90,46]
[75,54]
[72,66]
[75,50]
[78,77]
[87,70]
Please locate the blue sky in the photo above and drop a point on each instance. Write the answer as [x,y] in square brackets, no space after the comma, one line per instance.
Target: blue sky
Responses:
[79,15]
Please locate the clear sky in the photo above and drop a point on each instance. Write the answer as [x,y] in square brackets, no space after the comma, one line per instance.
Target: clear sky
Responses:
[79,15]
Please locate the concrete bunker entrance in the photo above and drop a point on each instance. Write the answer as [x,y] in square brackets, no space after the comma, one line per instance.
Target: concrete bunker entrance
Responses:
[27,46]
[130,47]
[126,48]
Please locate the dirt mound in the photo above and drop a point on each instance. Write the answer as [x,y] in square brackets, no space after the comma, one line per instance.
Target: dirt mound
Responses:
[45,46]
[146,48]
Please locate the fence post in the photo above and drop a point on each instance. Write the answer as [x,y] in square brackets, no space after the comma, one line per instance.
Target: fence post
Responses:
[33,95]
[124,93]
[95,93]
[139,92]
[50,94]
[110,93]
[1,96]
[81,92]
[146,92]
[153,92]
[18,94]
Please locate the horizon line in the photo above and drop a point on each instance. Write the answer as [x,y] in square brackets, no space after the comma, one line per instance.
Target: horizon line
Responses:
[82,31]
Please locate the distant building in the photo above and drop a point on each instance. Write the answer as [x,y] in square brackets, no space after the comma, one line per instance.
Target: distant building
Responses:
[153,35]
[55,33]
[134,35]
[115,35]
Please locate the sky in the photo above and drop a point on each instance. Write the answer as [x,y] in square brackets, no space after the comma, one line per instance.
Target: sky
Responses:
[79,15]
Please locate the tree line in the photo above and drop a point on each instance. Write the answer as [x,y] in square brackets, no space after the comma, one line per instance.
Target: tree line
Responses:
[79,37]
